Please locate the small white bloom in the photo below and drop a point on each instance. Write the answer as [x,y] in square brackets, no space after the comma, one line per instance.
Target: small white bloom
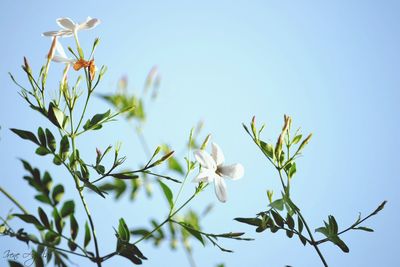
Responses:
[60,55]
[70,28]
[213,170]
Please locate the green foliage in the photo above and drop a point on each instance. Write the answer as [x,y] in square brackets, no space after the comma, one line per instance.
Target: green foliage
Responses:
[167,193]
[279,215]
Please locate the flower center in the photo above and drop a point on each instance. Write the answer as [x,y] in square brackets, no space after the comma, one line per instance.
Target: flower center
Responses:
[218,172]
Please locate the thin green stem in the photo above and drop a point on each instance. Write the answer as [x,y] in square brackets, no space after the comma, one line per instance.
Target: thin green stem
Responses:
[79,189]
[179,192]
[345,230]
[10,197]
[166,220]
[12,233]
[186,175]
[313,243]
[83,113]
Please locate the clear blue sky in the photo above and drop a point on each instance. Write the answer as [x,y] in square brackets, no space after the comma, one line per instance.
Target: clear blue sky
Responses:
[333,66]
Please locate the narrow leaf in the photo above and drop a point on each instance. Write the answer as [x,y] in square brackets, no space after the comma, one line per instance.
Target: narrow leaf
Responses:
[26,135]
[67,209]
[87,235]
[167,193]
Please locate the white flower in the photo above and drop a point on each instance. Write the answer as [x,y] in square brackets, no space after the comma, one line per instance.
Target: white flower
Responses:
[213,170]
[60,55]
[70,28]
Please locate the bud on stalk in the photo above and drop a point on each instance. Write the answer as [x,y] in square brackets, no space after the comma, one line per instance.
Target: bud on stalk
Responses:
[286,127]
[50,56]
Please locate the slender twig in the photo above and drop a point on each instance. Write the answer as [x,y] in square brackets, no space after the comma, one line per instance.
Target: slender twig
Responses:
[13,233]
[167,219]
[345,230]
[10,197]
[78,188]
[307,228]
[83,112]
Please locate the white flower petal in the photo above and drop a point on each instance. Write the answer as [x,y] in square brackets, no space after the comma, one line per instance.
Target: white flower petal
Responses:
[89,24]
[205,160]
[66,23]
[61,33]
[205,175]
[234,171]
[220,188]
[217,154]
[60,59]
[60,50]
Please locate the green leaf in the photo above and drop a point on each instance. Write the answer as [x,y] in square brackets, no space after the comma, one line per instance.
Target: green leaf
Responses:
[290,221]
[123,230]
[72,245]
[300,224]
[303,240]
[277,204]
[93,123]
[51,141]
[42,137]
[277,218]
[268,149]
[297,139]
[381,206]
[43,217]
[251,221]
[42,151]
[67,209]
[51,236]
[174,165]
[193,232]
[124,176]
[363,228]
[58,220]
[289,233]
[94,188]
[292,170]
[167,193]
[74,226]
[323,230]
[29,219]
[58,192]
[26,135]
[130,251]
[87,235]
[333,225]
[44,199]
[64,147]
[15,264]
[337,241]
[56,116]
[57,160]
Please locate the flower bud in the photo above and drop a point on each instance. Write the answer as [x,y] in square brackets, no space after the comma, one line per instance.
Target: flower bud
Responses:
[52,50]
[305,142]
[270,193]
[98,155]
[26,65]
[285,129]
[204,145]
[253,127]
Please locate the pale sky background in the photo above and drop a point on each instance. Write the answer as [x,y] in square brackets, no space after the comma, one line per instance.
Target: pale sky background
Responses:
[333,66]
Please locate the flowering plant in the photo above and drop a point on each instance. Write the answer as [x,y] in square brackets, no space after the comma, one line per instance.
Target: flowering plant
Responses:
[56,221]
